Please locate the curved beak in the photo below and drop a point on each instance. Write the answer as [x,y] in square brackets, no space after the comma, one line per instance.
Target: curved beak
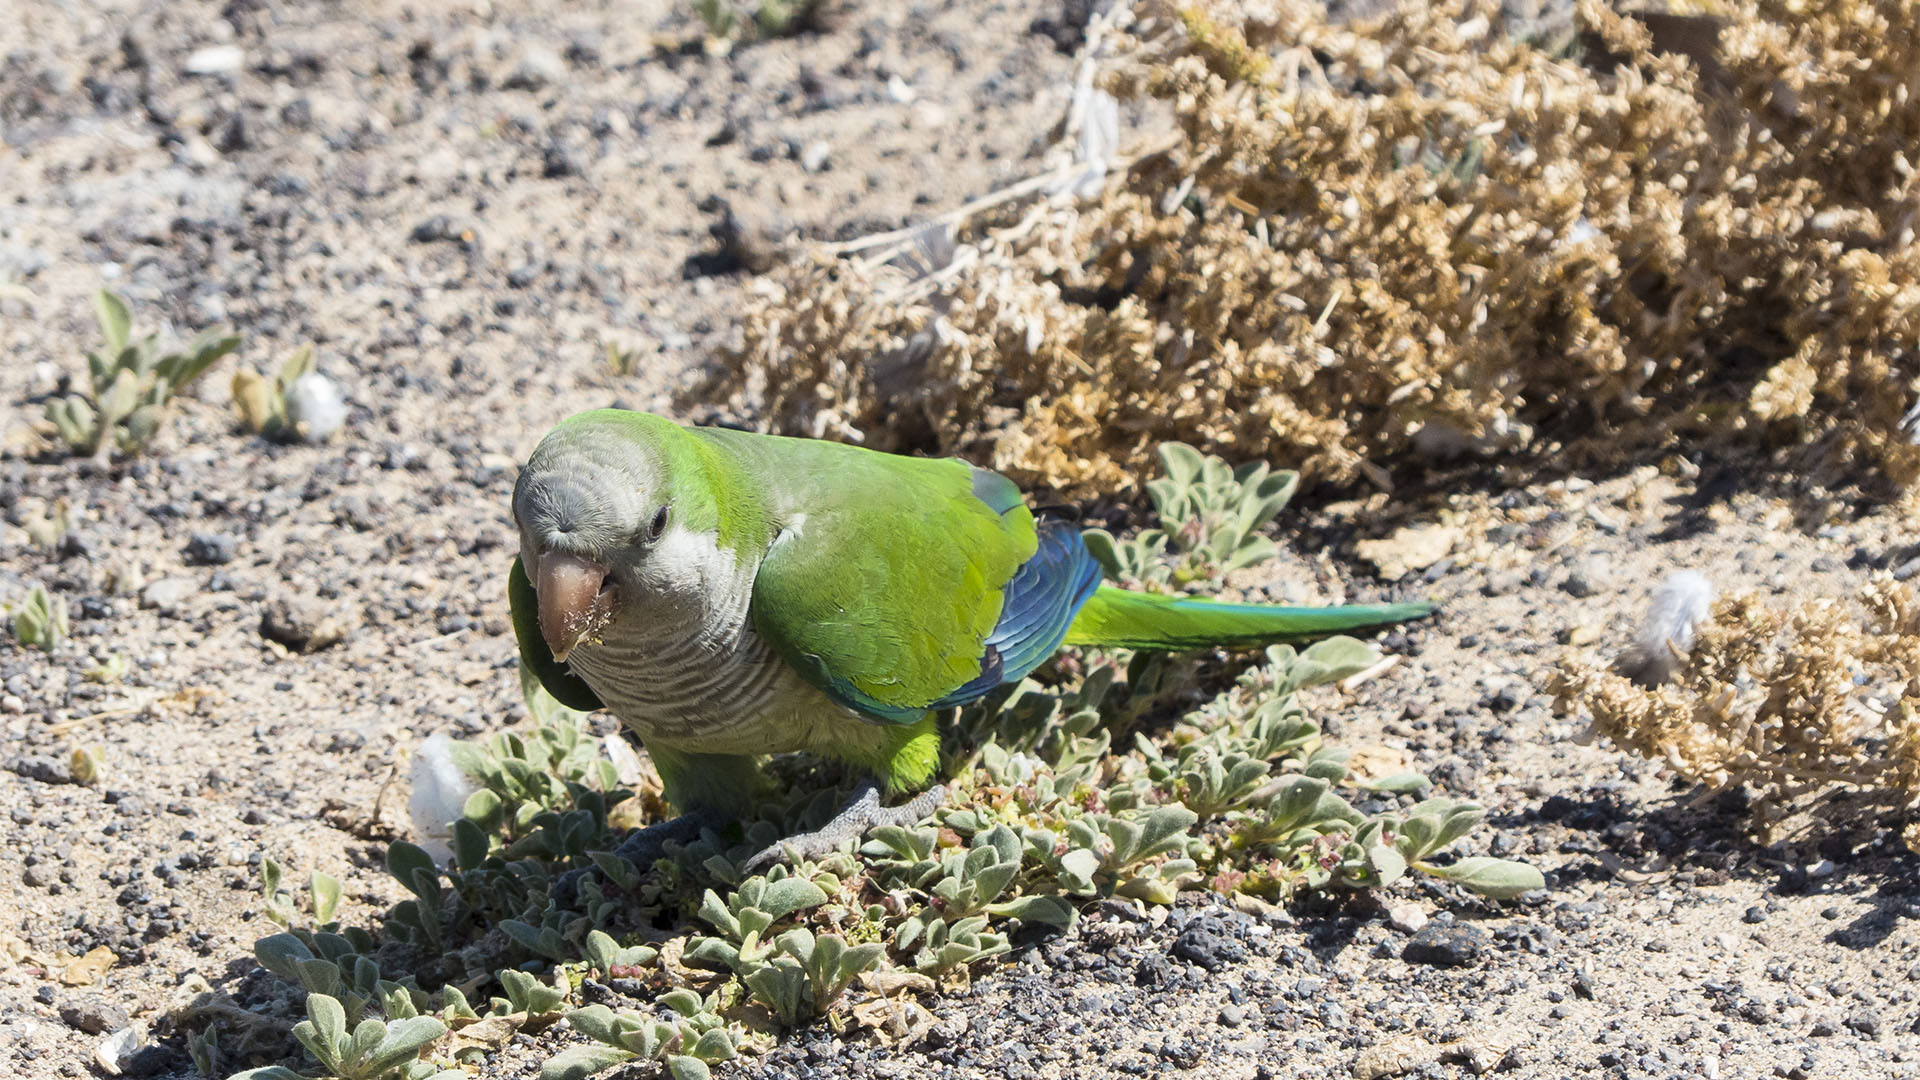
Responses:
[575,600]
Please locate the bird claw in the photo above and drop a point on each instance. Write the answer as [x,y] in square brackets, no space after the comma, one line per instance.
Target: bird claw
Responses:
[862,814]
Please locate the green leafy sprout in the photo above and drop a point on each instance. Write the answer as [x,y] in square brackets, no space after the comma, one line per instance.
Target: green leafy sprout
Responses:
[1210,521]
[262,401]
[40,620]
[622,360]
[131,382]
[729,20]
[1111,776]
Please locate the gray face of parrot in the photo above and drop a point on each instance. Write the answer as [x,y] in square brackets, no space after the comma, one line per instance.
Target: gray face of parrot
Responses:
[584,532]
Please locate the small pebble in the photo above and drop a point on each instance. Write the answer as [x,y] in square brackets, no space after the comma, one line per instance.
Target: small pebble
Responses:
[93,1015]
[1407,917]
[212,549]
[1584,580]
[1445,945]
[215,60]
[1502,582]
[167,594]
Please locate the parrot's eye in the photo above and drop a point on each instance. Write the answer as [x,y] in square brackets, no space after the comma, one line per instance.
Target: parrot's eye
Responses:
[659,523]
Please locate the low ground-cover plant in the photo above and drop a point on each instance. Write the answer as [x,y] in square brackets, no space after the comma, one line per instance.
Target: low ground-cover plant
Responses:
[131,381]
[730,20]
[39,620]
[1113,777]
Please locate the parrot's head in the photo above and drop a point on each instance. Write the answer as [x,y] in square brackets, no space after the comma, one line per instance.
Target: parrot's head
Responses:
[600,537]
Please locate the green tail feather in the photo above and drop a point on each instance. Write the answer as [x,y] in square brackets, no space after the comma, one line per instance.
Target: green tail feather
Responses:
[1119,618]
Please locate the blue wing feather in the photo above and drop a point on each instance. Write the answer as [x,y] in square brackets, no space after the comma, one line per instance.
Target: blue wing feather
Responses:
[1038,605]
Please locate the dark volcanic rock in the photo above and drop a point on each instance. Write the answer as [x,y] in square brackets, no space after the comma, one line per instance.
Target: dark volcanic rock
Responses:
[1443,944]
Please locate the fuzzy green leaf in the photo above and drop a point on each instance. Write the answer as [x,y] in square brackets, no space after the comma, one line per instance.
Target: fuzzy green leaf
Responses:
[116,322]
[683,1067]
[1499,879]
[788,895]
[714,1045]
[597,1022]
[282,954]
[581,1062]
[1387,863]
[683,1001]
[1400,783]
[1331,660]
[329,1020]
[1051,910]
[325,892]
[403,1041]
[140,427]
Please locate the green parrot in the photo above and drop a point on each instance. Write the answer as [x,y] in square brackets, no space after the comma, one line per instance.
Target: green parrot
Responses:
[729,595]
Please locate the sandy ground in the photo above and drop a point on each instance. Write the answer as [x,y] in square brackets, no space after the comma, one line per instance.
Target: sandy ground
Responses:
[459,205]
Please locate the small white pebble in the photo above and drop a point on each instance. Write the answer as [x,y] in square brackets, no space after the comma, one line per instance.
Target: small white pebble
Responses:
[215,60]
[1407,917]
[117,1048]
[315,407]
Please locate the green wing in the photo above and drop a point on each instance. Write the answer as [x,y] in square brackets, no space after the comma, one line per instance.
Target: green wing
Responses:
[566,687]
[882,588]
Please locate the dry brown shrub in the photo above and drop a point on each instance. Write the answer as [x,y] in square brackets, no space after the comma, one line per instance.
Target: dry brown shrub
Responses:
[1788,704]
[1413,234]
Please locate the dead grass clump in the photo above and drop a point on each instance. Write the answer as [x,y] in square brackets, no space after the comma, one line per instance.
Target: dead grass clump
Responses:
[1418,234]
[1788,704]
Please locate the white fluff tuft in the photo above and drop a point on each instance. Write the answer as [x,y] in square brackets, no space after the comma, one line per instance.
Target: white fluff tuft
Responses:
[1098,116]
[439,795]
[315,407]
[1666,635]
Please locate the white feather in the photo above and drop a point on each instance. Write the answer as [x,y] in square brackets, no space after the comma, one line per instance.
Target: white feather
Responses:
[1682,603]
[440,791]
[315,407]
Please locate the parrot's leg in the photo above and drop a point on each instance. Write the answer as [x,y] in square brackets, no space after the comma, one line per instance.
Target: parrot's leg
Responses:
[862,813]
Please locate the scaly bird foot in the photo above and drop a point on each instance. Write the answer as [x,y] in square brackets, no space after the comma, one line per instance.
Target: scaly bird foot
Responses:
[861,813]
[642,848]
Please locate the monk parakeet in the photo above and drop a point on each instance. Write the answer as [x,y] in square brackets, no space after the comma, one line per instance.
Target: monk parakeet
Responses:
[729,595]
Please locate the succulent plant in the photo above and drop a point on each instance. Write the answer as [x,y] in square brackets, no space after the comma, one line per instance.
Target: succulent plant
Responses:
[725,20]
[684,1045]
[47,529]
[40,620]
[131,383]
[744,918]
[372,1050]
